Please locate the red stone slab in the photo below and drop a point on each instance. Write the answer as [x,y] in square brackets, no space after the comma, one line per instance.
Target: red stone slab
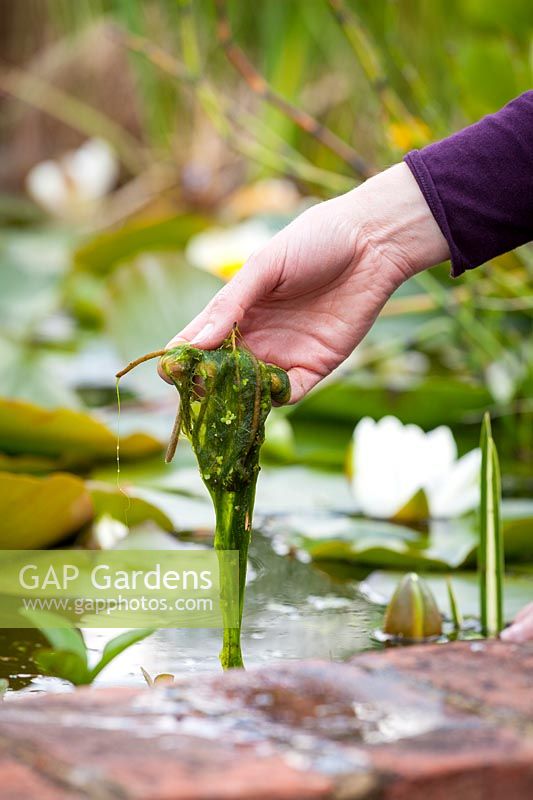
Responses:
[427,722]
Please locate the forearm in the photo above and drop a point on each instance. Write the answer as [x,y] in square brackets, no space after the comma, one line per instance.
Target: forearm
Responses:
[479,184]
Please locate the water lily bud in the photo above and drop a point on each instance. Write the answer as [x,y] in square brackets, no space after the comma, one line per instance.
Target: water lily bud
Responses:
[412,612]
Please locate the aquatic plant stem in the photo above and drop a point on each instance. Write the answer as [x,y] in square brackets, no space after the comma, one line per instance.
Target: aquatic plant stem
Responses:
[232,532]
[140,360]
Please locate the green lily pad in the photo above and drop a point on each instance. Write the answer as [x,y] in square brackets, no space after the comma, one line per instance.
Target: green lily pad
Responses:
[126,506]
[103,252]
[282,490]
[72,436]
[147,302]
[435,401]
[380,543]
[28,371]
[39,512]
[448,544]
[517,525]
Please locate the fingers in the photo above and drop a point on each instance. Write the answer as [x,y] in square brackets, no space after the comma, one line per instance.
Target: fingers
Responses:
[522,628]
[228,306]
[209,328]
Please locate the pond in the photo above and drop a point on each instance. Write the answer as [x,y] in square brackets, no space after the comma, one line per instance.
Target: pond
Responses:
[293,610]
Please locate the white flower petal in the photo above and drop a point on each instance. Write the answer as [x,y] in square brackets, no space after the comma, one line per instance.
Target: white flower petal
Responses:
[392,462]
[46,184]
[219,247]
[458,490]
[92,169]
[382,483]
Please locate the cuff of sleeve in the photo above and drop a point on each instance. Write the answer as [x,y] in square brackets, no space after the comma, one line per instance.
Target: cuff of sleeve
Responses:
[422,175]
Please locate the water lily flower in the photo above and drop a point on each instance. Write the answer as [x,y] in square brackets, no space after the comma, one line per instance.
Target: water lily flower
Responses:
[72,185]
[223,251]
[400,472]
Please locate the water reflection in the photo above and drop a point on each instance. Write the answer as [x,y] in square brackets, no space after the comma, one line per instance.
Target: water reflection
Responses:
[293,611]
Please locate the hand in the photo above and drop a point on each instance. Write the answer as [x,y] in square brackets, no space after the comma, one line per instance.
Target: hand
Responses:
[306,299]
[522,628]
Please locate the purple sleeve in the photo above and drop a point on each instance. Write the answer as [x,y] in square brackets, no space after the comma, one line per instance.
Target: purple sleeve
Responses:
[478,184]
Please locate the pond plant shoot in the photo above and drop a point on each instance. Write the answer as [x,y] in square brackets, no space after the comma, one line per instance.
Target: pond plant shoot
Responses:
[225,397]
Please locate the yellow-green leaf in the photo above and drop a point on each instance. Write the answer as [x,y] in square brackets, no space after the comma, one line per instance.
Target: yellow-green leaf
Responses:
[73,436]
[39,512]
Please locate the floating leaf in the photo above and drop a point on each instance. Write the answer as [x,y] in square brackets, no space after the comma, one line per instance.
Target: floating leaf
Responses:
[380,543]
[72,436]
[147,303]
[102,253]
[435,401]
[39,512]
[126,506]
[28,371]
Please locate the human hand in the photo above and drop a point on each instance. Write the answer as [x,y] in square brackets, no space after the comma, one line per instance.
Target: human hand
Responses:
[522,628]
[306,299]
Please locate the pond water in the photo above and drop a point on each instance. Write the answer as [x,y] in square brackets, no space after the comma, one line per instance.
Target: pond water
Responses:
[293,610]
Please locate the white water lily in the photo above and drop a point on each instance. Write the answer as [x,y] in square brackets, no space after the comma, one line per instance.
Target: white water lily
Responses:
[223,251]
[399,471]
[73,184]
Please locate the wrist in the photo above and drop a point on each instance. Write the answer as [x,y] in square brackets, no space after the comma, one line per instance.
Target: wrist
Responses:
[396,222]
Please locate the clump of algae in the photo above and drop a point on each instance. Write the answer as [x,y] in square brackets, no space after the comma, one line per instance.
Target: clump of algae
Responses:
[225,397]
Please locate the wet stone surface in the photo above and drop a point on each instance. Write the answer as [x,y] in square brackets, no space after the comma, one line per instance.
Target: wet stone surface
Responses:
[421,722]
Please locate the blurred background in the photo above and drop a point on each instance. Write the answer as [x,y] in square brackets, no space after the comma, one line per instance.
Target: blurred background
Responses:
[147,147]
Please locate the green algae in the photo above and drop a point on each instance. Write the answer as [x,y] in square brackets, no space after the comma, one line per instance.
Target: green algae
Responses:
[225,397]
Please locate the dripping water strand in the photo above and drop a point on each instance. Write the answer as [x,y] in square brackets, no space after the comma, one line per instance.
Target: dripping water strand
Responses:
[119,487]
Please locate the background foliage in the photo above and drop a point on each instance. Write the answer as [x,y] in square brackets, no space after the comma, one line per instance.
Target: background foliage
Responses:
[80,297]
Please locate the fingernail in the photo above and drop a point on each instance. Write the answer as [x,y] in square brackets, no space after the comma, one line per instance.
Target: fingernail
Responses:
[513,634]
[203,334]
[177,340]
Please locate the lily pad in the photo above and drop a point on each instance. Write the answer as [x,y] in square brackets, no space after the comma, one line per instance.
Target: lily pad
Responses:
[28,371]
[102,253]
[517,525]
[380,543]
[126,506]
[448,544]
[284,490]
[147,303]
[432,402]
[74,437]
[39,512]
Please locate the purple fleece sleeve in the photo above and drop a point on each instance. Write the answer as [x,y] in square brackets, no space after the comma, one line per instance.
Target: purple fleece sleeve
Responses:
[479,184]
